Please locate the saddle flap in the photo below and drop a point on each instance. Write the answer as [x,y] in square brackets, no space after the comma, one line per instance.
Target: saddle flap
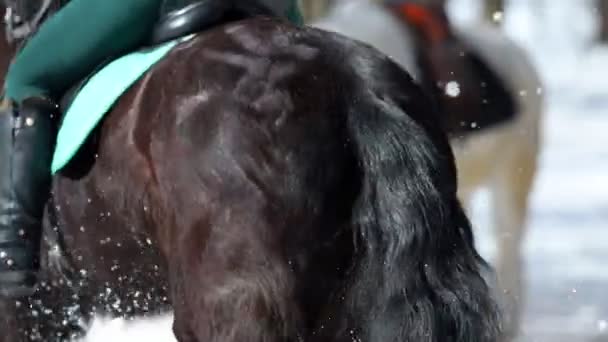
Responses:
[97,96]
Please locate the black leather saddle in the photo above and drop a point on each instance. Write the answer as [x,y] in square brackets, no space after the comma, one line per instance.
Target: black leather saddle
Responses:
[203,14]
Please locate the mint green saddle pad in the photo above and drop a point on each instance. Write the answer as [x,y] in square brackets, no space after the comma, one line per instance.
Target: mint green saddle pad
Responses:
[98,95]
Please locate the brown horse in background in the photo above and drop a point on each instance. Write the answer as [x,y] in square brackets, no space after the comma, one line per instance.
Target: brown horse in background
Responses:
[274,183]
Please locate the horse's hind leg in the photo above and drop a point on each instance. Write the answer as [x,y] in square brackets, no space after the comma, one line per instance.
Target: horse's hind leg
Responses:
[221,303]
[512,185]
[57,311]
[231,285]
[53,314]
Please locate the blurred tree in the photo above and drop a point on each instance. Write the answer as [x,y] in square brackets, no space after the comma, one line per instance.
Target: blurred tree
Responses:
[602,11]
[494,10]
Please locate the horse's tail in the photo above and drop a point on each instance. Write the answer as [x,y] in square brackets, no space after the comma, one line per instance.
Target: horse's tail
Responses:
[419,275]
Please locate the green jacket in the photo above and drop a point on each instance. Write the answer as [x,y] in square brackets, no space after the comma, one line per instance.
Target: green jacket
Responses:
[79,37]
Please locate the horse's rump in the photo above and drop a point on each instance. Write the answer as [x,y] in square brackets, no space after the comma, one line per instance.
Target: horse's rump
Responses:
[283,179]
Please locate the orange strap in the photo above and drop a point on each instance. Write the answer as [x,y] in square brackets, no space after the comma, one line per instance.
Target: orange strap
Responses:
[424,19]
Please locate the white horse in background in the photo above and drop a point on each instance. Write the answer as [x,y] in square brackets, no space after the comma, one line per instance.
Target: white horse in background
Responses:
[502,158]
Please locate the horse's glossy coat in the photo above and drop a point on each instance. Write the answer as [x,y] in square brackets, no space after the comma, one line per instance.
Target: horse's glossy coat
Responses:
[274,183]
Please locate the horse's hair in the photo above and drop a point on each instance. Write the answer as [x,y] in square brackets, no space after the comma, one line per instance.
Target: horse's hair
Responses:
[361,152]
[419,274]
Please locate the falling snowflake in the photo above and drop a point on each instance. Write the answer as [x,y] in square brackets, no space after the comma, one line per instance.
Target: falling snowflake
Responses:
[497,16]
[452,89]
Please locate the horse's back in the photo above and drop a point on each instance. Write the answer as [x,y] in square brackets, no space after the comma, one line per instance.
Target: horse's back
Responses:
[261,98]
[265,63]
[256,160]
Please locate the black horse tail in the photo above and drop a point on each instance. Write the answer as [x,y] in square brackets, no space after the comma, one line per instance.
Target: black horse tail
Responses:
[418,277]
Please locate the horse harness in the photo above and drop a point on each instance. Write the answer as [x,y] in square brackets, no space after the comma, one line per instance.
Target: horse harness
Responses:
[469,95]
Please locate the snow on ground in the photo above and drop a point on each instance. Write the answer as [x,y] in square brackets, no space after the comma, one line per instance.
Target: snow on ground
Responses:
[566,251]
[117,330]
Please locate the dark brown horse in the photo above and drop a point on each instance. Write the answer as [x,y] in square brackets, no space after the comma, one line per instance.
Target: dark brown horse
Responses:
[277,183]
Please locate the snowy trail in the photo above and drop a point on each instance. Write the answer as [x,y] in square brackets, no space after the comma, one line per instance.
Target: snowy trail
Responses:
[566,251]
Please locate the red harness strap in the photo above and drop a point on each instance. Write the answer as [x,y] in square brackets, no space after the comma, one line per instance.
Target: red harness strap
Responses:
[433,26]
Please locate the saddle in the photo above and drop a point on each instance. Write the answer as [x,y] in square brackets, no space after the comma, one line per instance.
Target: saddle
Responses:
[469,95]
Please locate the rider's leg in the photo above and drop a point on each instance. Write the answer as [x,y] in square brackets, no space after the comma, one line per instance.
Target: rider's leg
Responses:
[24,185]
[64,50]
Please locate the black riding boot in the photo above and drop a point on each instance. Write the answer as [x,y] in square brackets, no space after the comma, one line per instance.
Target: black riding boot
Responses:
[27,139]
